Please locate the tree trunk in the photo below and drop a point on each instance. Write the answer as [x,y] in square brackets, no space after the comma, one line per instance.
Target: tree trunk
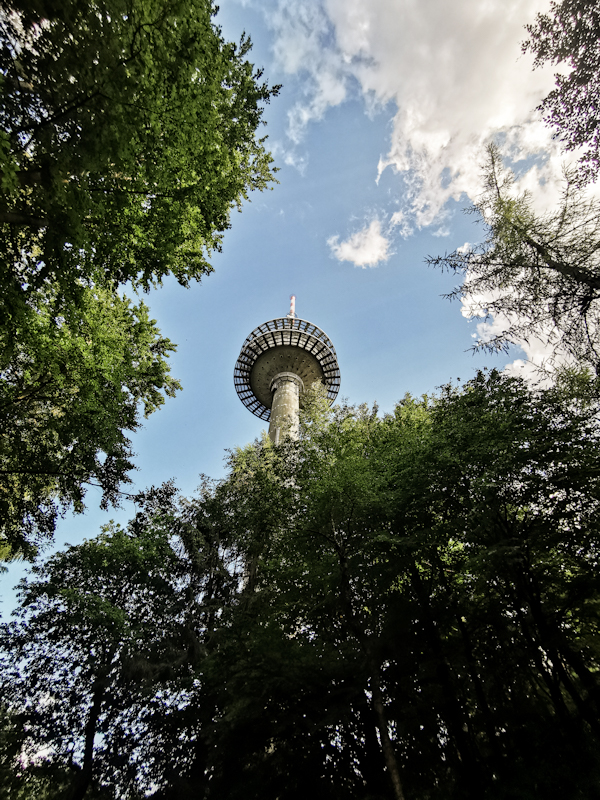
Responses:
[84,778]
[29,177]
[382,726]
[482,703]
[469,763]
[15,218]
[357,629]
[550,640]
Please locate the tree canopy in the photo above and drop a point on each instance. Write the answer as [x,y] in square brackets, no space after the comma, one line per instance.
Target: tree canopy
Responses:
[540,273]
[570,35]
[396,607]
[71,390]
[129,130]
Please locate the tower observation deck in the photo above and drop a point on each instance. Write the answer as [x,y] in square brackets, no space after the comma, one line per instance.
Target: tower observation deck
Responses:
[279,361]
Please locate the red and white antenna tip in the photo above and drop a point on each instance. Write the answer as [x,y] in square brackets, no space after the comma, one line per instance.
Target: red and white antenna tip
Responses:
[292,305]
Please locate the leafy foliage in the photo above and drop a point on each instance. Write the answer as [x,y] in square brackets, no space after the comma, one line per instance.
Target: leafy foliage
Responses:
[540,274]
[128,133]
[70,390]
[571,36]
[104,625]
[402,607]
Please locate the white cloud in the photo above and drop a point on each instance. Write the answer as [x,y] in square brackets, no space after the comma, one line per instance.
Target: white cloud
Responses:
[291,157]
[457,78]
[366,248]
[400,219]
[543,353]
[304,46]
[454,71]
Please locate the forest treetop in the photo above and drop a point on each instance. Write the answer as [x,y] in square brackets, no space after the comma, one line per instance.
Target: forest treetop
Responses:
[396,607]
[570,35]
[128,131]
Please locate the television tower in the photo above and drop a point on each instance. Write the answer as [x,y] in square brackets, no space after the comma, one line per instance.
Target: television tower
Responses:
[278,363]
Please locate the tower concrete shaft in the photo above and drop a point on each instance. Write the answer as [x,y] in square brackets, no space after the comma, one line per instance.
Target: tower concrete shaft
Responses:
[283,422]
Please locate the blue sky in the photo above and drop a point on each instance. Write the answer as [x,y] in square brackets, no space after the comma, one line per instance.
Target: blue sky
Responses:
[385,108]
